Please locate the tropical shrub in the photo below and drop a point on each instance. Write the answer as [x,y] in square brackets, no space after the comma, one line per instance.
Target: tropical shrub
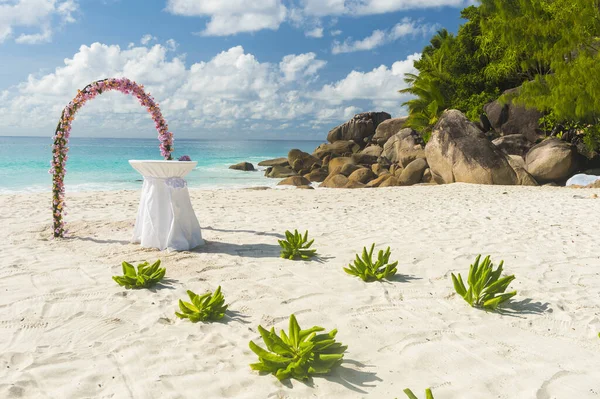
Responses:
[145,277]
[298,354]
[411,395]
[486,288]
[203,307]
[369,271]
[555,45]
[451,74]
[296,246]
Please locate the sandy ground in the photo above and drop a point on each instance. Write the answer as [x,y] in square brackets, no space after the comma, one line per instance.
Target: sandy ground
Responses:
[68,331]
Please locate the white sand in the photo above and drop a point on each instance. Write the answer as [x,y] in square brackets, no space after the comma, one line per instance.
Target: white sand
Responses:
[68,331]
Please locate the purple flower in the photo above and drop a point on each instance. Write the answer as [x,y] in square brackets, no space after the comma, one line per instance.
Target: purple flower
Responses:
[185,158]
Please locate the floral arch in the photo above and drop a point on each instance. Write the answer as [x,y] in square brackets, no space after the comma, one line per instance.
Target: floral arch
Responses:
[63,130]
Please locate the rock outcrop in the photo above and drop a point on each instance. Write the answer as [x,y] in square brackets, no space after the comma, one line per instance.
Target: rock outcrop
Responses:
[335,181]
[458,151]
[338,149]
[427,178]
[374,150]
[317,175]
[509,118]
[552,160]
[359,128]
[349,168]
[364,159]
[392,181]
[294,181]
[354,184]
[413,173]
[387,129]
[404,147]
[523,177]
[279,172]
[377,182]
[245,166]
[362,175]
[274,162]
[513,144]
[302,162]
[336,164]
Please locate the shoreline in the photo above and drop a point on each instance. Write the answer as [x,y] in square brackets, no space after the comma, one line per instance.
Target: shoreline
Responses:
[274,185]
[61,310]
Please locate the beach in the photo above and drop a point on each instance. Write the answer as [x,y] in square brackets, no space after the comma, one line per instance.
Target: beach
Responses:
[67,330]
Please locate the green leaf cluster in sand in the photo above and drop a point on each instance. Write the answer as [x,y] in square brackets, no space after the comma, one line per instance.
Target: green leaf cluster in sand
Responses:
[299,353]
[296,246]
[486,287]
[203,307]
[369,271]
[146,275]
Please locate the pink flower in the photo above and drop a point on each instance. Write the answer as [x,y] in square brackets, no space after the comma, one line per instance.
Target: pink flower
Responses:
[61,136]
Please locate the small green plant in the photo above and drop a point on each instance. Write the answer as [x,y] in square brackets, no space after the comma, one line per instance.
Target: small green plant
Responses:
[411,395]
[296,246]
[203,307]
[298,354]
[486,288]
[146,276]
[369,271]
[426,135]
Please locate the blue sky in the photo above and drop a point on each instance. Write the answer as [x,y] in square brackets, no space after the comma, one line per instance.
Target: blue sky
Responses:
[219,68]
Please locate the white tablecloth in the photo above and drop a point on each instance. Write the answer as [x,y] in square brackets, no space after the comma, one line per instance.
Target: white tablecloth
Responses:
[166,219]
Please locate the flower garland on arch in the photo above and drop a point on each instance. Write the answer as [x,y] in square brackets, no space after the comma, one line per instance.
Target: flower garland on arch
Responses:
[63,130]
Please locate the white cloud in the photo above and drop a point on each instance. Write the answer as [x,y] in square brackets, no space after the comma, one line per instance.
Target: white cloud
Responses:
[409,27]
[335,114]
[378,38]
[229,17]
[44,37]
[323,8]
[294,67]
[231,91]
[34,14]
[172,44]
[147,39]
[335,32]
[379,85]
[316,33]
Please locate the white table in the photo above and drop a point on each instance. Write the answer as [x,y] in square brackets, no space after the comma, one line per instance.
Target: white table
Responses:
[166,219]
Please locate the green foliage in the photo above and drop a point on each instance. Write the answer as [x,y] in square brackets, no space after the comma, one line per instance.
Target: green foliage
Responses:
[298,354]
[430,100]
[369,271]
[296,246]
[451,75]
[486,288]
[555,45]
[145,277]
[426,136]
[548,48]
[203,307]
[588,133]
[411,395]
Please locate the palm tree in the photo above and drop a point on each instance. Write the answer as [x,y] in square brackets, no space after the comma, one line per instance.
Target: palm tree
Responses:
[430,100]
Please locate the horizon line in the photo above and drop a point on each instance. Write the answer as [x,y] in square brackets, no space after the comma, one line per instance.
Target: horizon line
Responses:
[182,138]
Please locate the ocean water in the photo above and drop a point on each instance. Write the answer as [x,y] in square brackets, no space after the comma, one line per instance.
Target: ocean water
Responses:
[102,163]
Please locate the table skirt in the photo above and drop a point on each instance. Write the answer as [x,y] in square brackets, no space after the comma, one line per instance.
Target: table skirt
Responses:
[166,219]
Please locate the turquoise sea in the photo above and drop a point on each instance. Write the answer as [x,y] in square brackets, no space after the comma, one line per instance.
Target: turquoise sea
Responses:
[101,163]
